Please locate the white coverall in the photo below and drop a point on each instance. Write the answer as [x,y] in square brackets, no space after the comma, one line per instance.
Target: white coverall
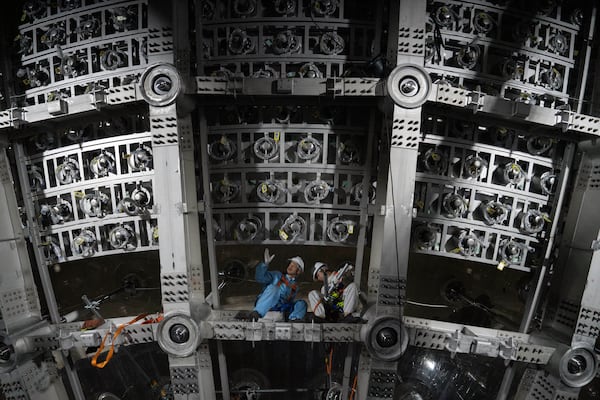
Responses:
[349,296]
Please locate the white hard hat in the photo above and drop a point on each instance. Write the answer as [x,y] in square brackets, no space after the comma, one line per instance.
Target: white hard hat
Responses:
[298,260]
[316,268]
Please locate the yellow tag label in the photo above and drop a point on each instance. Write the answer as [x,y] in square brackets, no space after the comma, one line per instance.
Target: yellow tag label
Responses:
[26,81]
[264,188]
[24,16]
[276,136]
[501,265]
[546,218]
[57,70]
[79,194]
[456,250]
[223,140]
[516,167]
[435,156]
[283,235]
[351,229]
[125,156]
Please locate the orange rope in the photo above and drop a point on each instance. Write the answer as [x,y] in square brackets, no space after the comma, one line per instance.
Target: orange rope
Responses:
[353,390]
[111,351]
[328,362]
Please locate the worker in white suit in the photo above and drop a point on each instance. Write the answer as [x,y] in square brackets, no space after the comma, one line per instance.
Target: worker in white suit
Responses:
[338,298]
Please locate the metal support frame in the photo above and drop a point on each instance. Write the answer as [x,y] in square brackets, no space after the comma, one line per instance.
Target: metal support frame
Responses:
[177,208]
[19,286]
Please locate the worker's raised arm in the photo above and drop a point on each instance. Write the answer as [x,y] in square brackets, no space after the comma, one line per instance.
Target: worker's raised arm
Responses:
[262,274]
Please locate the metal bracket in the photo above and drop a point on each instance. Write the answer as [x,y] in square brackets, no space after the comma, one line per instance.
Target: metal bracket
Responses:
[475,100]
[335,86]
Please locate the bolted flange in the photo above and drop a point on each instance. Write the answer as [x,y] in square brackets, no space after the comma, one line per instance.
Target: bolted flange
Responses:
[577,366]
[178,335]
[386,338]
[160,85]
[408,85]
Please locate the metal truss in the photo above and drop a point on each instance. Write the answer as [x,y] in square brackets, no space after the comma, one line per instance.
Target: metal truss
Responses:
[246,58]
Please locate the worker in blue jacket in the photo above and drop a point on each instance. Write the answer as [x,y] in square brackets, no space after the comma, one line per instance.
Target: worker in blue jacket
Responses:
[279,293]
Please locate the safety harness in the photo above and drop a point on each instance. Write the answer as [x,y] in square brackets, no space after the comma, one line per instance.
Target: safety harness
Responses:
[284,281]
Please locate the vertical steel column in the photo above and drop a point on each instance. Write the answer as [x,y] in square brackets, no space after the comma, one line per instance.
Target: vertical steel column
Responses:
[34,234]
[24,262]
[392,226]
[182,277]
[208,216]
[582,82]
[364,202]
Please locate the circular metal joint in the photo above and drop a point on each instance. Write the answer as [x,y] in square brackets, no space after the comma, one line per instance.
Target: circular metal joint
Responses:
[386,338]
[408,85]
[161,84]
[5,353]
[178,335]
[578,366]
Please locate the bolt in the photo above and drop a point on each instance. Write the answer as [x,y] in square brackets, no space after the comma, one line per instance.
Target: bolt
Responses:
[162,85]
[179,333]
[5,353]
[387,337]
[576,365]
[409,86]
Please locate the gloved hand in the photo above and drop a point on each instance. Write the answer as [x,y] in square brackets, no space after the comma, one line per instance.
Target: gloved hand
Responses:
[268,257]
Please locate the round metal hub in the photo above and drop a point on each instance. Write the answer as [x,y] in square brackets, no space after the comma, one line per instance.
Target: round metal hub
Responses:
[160,84]
[387,337]
[179,333]
[408,85]
[578,365]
